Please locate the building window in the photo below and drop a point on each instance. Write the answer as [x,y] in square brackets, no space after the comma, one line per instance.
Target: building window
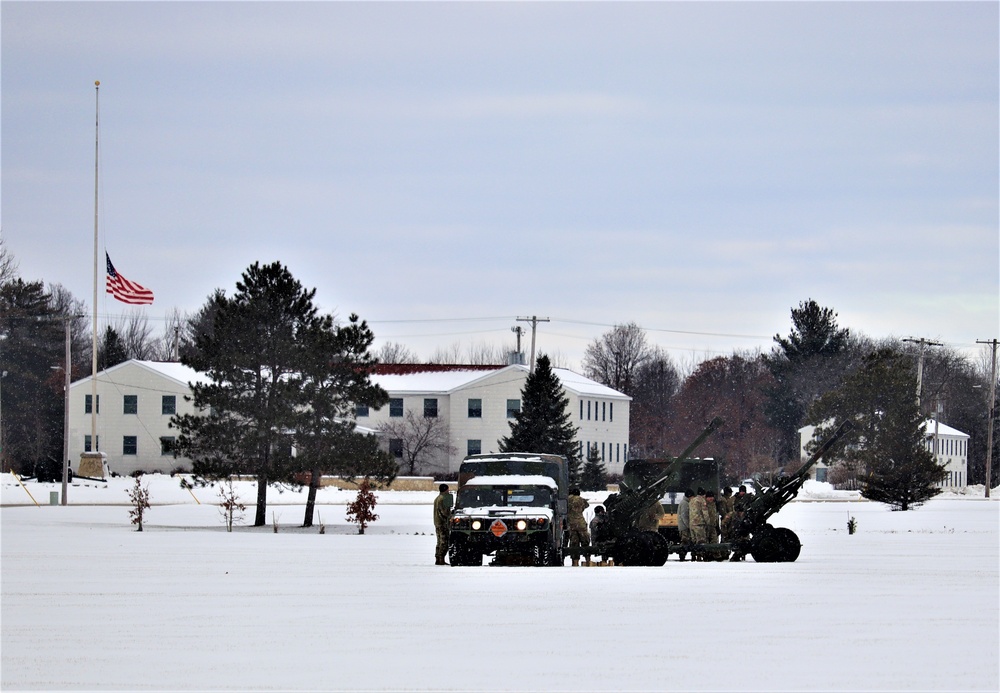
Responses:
[87,404]
[167,445]
[604,411]
[611,411]
[361,411]
[168,405]
[821,474]
[86,443]
[130,445]
[430,407]
[131,404]
[588,410]
[396,407]
[475,447]
[475,410]
[581,410]
[513,408]
[396,448]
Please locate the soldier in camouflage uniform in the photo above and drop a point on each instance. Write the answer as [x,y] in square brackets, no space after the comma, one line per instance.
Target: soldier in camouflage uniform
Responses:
[726,507]
[578,534]
[442,515]
[684,521]
[649,519]
[712,525]
[698,513]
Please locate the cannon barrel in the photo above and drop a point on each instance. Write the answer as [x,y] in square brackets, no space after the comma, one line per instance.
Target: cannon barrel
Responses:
[768,501]
[624,508]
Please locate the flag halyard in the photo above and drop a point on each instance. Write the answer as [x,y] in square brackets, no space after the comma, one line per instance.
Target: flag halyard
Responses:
[124,290]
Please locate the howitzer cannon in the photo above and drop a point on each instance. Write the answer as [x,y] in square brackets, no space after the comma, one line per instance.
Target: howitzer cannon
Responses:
[753,535]
[620,539]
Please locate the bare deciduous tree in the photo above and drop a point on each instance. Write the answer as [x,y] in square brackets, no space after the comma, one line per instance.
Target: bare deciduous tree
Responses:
[394,352]
[417,440]
[612,358]
[8,265]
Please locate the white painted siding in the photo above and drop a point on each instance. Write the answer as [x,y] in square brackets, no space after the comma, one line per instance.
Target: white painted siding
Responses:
[147,426]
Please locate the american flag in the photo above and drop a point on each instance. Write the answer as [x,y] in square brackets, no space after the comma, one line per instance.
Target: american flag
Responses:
[125,290]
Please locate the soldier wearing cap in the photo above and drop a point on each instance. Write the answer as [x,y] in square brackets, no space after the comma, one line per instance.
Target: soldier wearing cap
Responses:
[578,534]
[442,515]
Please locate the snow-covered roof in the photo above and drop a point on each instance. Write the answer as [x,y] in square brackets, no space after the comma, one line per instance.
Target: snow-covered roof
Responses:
[429,381]
[448,381]
[942,430]
[512,480]
[177,372]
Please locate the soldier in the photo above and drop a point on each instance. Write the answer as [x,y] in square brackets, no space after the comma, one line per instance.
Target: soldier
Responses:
[712,525]
[578,535]
[649,519]
[599,525]
[740,502]
[684,521]
[698,513]
[442,514]
[726,511]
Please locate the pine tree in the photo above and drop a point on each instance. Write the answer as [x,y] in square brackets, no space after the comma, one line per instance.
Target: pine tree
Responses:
[811,360]
[594,474]
[543,424]
[889,442]
[258,353]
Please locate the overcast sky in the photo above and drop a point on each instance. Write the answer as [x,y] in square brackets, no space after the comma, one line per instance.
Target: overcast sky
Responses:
[698,168]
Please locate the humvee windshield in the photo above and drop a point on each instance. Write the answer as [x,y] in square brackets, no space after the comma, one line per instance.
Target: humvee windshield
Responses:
[516,496]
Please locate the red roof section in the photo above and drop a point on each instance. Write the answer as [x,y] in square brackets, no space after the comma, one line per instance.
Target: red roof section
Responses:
[410,368]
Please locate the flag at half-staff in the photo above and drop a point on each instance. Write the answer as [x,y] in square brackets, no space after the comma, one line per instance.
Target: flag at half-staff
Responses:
[124,290]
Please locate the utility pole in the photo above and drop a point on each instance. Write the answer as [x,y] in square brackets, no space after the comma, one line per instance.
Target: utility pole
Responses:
[518,330]
[66,383]
[920,362]
[534,320]
[993,401]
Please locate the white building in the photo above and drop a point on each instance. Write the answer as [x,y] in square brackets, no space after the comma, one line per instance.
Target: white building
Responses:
[478,404]
[951,444]
[135,401]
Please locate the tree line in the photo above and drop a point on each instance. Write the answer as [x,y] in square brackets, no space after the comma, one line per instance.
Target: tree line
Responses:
[817,371]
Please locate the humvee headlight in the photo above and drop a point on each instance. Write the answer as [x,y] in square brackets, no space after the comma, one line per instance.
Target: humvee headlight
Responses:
[521,525]
[477,524]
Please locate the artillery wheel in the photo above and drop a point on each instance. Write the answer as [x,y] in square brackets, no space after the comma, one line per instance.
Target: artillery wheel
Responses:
[775,545]
[640,548]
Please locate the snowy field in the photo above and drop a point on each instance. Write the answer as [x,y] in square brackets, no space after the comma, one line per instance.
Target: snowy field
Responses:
[910,603]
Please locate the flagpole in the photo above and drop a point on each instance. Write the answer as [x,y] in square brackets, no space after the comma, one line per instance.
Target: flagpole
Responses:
[93,379]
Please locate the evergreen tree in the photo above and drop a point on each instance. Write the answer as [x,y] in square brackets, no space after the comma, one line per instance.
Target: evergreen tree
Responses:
[279,376]
[811,360]
[336,378]
[33,339]
[888,442]
[111,350]
[594,475]
[543,424]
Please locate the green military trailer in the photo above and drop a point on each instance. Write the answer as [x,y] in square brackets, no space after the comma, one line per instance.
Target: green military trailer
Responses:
[690,473]
[511,506]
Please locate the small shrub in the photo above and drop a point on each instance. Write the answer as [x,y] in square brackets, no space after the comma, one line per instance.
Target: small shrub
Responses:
[362,509]
[230,506]
[852,525]
[139,495]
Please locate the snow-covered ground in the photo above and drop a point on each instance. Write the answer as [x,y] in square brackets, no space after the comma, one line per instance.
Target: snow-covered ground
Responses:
[910,602]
